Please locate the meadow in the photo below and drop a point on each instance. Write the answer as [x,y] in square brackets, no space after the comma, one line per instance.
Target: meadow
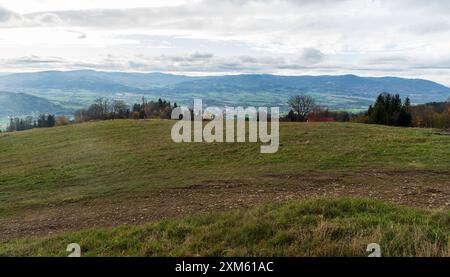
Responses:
[72,182]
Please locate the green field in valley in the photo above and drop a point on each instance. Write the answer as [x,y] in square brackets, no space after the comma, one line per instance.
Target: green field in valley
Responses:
[3,123]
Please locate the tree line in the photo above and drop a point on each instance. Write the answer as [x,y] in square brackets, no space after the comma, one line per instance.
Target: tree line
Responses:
[431,115]
[101,109]
[303,108]
[42,121]
[388,109]
[104,109]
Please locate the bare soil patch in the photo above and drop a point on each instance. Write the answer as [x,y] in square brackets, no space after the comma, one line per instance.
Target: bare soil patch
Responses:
[424,189]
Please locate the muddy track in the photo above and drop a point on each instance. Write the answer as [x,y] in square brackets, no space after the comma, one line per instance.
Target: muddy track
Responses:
[422,189]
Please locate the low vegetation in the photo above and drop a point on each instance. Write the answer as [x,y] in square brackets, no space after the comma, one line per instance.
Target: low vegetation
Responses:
[42,167]
[340,227]
[109,173]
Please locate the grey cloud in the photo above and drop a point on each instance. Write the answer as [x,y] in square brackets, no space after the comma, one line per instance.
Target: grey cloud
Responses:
[387,59]
[436,6]
[10,19]
[208,14]
[239,17]
[81,35]
[443,63]
[6,16]
[201,56]
[47,19]
[210,64]
[312,56]
[34,60]
[258,35]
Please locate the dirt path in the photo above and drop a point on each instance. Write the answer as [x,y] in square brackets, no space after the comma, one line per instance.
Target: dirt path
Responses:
[417,189]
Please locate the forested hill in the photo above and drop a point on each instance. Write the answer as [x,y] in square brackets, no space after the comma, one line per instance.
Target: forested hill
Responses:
[79,88]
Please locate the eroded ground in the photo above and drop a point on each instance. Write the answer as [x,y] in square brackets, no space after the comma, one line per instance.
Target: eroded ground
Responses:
[424,189]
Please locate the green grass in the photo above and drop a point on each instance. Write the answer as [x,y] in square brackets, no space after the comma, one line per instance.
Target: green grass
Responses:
[340,227]
[44,172]
[44,167]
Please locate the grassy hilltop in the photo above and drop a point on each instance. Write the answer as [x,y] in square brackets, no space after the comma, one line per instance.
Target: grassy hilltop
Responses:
[104,174]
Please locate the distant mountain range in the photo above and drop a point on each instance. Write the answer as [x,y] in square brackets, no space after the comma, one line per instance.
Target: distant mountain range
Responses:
[69,90]
[97,81]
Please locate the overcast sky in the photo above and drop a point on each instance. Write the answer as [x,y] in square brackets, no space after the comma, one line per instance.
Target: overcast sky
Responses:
[407,38]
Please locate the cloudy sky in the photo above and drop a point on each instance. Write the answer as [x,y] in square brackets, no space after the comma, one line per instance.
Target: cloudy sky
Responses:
[407,38]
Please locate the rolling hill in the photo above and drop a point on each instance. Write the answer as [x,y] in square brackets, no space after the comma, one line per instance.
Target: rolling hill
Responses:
[67,184]
[97,81]
[75,80]
[19,104]
[78,88]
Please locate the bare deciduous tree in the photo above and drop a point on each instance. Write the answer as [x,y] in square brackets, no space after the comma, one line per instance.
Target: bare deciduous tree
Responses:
[100,107]
[302,105]
[119,108]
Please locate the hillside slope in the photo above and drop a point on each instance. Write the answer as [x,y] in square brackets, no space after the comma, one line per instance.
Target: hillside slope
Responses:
[19,104]
[109,173]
